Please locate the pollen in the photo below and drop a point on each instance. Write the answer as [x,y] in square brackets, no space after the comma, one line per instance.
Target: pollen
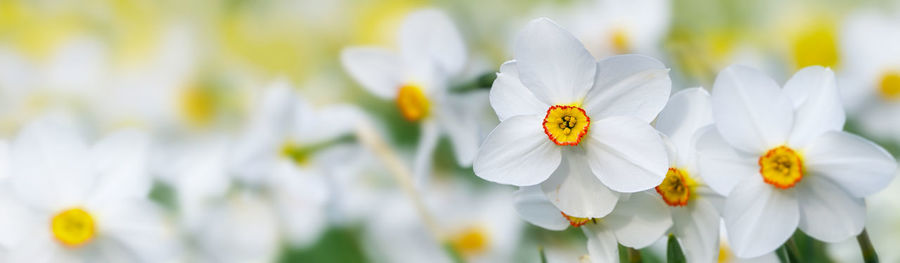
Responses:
[412,102]
[889,86]
[566,125]
[676,188]
[782,167]
[73,227]
[577,221]
[472,241]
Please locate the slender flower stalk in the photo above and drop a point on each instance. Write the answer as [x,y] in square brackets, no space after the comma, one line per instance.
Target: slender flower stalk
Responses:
[865,245]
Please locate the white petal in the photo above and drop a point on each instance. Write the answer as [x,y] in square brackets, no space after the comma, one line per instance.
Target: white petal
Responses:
[68,180]
[377,70]
[684,115]
[697,228]
[460,120]
[121,161]
[827,213]
[629,85]
[317,125]
[428,140]
[857,165]
[750,110]
[517,152]
[138,226]
[576,191]
[626,154]
[601,245]
[817,104]
[759,217]
[639,220]
[510,98]
[553,64]
[428,38]
[532,205]
[721,166]
[300,198]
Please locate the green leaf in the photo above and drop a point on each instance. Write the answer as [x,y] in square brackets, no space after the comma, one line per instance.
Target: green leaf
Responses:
[673,251]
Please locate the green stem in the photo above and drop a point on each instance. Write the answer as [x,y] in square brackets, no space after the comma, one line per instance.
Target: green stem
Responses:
[868,251]
[673,251]
[634,256]
[793,253]
[543,255]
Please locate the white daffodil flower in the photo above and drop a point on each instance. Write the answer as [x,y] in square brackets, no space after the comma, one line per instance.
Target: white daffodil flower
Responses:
[610,27]
[693,204]
[637,221]
[871,53]
[431,52]
[576,126]
[782,160]
[285,151]
[81,203]
[479,226]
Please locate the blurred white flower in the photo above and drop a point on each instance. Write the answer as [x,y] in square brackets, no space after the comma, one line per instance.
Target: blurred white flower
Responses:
[870,45]
[285,151]
[431,53]
[782,160]
[78,203]
[638,220]
[693,204]
[242,229]
[576,126]
[479,225]
[610,27]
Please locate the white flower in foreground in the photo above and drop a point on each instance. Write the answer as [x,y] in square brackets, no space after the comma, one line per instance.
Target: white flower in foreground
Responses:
[693,204]
[82,203]
[780,157]
[431,52]
[285,152]
[576,126]
[637,221]
[870,45]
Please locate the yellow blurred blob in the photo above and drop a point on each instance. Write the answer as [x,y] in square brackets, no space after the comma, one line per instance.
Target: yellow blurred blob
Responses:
[275,45]
[815,43]
[472,241]
[73,227]
[37,32]
[295,153]
[412,102]
[889,86]
[379,21]
[620,41]
[724,253]
[136,29]
[198,104]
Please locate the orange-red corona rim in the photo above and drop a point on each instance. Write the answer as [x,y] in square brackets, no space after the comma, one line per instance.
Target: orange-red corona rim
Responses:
[566,125]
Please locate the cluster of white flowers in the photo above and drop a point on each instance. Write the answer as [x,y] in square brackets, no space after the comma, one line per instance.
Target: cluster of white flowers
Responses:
[600,144]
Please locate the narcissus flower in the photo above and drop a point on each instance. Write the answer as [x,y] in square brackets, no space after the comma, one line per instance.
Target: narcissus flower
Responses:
[620,27]
[576,126]
[78,203]
[431,52]
[637,221]
[692,203]
[781,158]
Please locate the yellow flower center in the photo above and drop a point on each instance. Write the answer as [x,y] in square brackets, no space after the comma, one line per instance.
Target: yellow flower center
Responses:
[73,227]
[198,105]
[412,102]
[676,188]
[620,41]
[815,45]
[566,125]
[889,86]
[781,167]
[472,241]
[578,221]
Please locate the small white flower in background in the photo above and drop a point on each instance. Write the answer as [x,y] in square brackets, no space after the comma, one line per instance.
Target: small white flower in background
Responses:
[694,205]
[780,157]
[610,27]
[242,228]
[638,220]
[479,225]
[286,152]
[76,202]
[431,53]
[576,126]
[870,43]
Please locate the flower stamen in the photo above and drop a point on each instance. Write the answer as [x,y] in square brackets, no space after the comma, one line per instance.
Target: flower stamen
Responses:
[782,167]
[566,125]
[675,189]
[412,102]
[73,227]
